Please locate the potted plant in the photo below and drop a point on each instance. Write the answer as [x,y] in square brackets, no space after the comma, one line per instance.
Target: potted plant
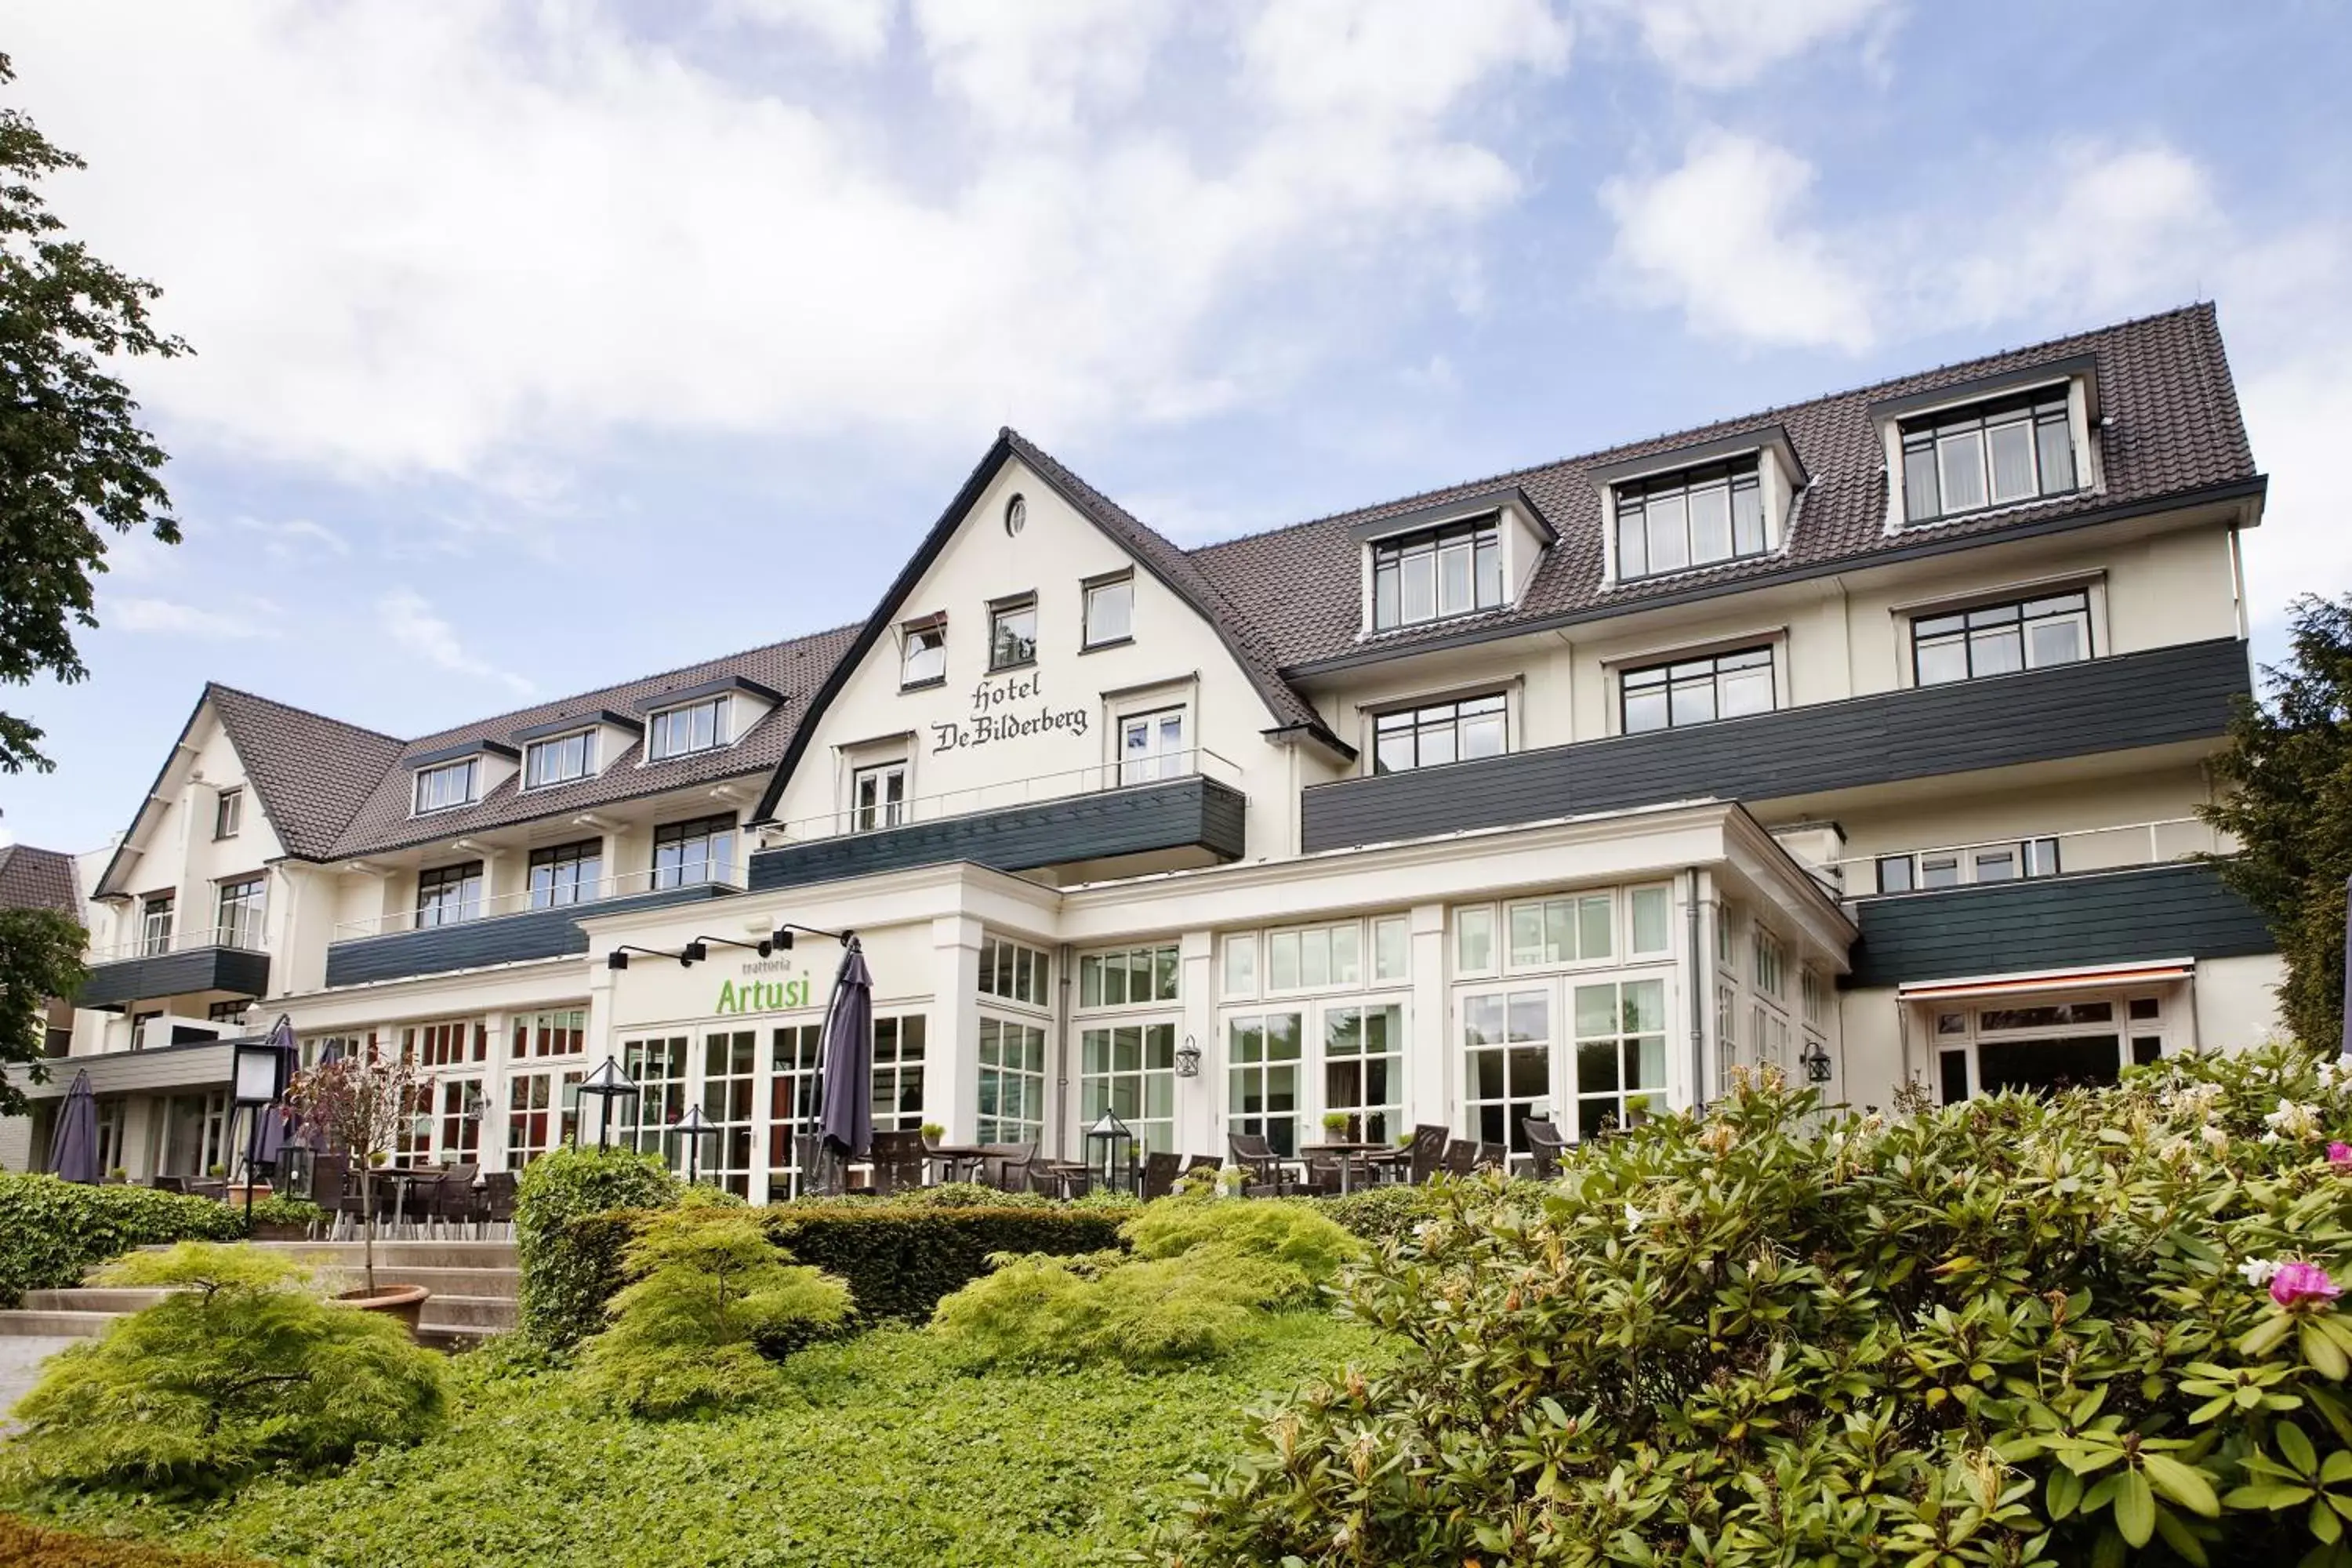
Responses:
[363,1106]
[216,1170]
[116,1176]
[933,1133]
[1339,1127]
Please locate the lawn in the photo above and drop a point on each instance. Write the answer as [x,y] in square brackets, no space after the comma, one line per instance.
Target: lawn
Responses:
[883,1455]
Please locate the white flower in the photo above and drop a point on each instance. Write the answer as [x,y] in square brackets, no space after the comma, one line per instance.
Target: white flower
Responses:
[1633,1221]
[2293,1121]
[2215,1138]
[2257,1271]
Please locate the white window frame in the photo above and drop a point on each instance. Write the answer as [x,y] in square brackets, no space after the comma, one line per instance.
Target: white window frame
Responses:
[1236,1072]
[911,641]
[1392,1108]
[1726,474]
[997,614]
[1458,919]
[532,751]
[1018,1124]
[1119,582]
[1009,957]
[1516,1102]
[1157,764]
[1635,894]
[1131,1090]
[1384,927]
[2174,1021]
[885,810]
[228,813]
[1331,934]
[1579,902]
[1621,1097]
[1470,525]
[1238,977]
[428,778]
[656,751]
[1159,961]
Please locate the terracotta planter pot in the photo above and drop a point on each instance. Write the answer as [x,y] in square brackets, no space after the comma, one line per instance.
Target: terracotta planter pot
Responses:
[405,1302]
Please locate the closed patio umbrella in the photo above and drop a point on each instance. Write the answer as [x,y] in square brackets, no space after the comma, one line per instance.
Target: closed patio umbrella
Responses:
[73,1147]
[845,1118]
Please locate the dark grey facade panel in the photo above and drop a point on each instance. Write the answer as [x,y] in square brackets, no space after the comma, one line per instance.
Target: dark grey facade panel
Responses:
[1180,813]
[502,939]
[117,985]
[2179,693]
[2096,917]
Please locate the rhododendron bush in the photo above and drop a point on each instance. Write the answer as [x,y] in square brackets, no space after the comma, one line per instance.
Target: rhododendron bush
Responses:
[2098,1328]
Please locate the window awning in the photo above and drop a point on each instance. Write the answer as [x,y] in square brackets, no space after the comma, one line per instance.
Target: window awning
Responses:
[2109,977]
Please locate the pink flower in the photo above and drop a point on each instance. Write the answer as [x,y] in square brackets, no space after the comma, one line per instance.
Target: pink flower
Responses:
[2339,1154]
[2296,1284]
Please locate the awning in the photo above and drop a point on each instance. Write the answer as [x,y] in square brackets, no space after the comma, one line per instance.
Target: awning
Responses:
[2111,977]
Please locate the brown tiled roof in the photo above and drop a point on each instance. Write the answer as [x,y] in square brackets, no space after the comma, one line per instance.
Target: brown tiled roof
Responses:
[311,773]
[34,878]
[2171,427]
[796,668]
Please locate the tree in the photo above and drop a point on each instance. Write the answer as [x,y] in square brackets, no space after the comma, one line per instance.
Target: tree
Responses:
[40,957]
[2288,774]
[73,459]
[360,1106]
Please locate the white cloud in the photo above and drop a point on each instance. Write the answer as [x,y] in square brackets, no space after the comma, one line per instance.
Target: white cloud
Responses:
[164,617]
[1719,238]
[410,621]
[506,231]
[855,29]
[1730,42]
[293,536]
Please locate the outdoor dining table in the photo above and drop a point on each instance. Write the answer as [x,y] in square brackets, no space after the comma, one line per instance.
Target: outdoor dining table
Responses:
[1065,1174]
[962,1159]
[1348,1154]
[404,1177]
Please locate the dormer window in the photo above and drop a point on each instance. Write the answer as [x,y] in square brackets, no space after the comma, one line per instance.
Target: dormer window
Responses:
[1993,454]
[1694,518]
[923,652]
[690,727]
[1437,572]
[559,760]
[448,785]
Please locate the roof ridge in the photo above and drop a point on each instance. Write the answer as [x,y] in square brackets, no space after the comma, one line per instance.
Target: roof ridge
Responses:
[212,686]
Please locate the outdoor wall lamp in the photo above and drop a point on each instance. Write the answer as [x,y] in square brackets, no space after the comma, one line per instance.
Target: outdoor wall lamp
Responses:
[1188,1060]
[784,928]
[1816,1062]
[762,948]
[619,957]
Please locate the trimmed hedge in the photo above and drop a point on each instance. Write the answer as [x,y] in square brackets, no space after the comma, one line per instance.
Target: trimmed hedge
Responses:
[52,1232]
[567,1273]
[24,1545]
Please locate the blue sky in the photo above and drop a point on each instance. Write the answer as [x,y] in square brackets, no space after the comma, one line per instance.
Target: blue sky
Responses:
[544,345]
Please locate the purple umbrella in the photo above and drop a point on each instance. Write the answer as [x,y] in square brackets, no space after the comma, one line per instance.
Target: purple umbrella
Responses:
[73,1147]
[847,1117]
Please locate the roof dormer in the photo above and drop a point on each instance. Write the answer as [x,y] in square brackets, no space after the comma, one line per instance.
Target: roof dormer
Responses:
[708,716]
[1990,442]
[1461,557]
[449,777]
[1702,505]
[574,746]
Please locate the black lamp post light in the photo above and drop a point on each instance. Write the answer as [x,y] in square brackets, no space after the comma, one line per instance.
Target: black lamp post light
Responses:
[607,1083]
[693,1125]
[258,1071]
[1116,1166]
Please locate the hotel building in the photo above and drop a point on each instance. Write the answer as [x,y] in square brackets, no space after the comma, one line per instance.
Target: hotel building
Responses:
[1863,736]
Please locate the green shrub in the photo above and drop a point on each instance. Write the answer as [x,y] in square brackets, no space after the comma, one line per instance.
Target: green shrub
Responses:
[900,1261]
[706,1284]
[2012,1330]
[568,1271]
[1201,1274]
[52,1232]
[26,1545]
[279,1209]
[953,1196]
[239,1368]
[1382,1215]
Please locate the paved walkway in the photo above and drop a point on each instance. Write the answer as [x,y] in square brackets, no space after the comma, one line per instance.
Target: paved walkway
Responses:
[20,1366]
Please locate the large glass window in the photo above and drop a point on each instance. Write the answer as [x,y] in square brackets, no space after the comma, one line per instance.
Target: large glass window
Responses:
[1013,632]
[1990,455]
[796,1056]
[1015,972]
[1262,1068]
[898,1073]
[1562,931]
[1363,1068]
[1012,1081]
[559,760]
[1110,611]
[1693,518]
[730,1069]
[1139,975]
[461,1120]
[1995,639]
[1698,690]
[687,853]
[1316,957]
[1130,1069]
[649,1122]
[563,1033]
[446,1045]
[240,916]
[543,1113]
[878,796]
[1507,1063]
[1448,570]
[1439,734]
[923,652]
[566,873]
[693,726]
[1620,1054]
[447,895]
[449,784]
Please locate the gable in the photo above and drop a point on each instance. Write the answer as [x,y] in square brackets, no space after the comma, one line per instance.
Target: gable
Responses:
[161,852]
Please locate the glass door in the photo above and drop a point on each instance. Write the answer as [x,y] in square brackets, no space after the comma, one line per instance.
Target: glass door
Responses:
[1152,747]
[795,1053]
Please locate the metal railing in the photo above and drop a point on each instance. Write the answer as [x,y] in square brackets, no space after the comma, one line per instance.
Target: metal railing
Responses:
[727,874]
[244,935]
[2108,848]
[1164,768]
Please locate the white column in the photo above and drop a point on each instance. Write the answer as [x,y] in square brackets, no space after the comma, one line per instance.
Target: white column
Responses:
[1430,1094]
[951,1075]
[1199,1128]
[491,1149]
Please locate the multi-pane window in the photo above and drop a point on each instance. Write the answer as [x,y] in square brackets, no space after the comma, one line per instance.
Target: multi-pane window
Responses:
[560,760]
[1934,869]
[461,1120]
[1992,455]
[240,907]
[730,1069]
[1110,611]
[691,727]
[1620,1054]
[449,784]
[1391,949]
[1695,517]
[923,652]
[1507,1063]
[1363,1068]
[1813,996]
[1317,957]
[1698,690]
[701,850]
[898,1073]
[543,1113]
[1140,975]
[1474,939]
[561,1032]
[1438,734]
[1767,949]
[566,873]
[1013,632]
[658,1068]
[228,813]
[1649,911]
[1012,1097]
[446,1045]
[1009,969]
[1562,931]
[1427,576]
[1130,1069]
[447,895]
[1262,1068]
[878,796]
[1995,639]
[794,1082]
[1151,746]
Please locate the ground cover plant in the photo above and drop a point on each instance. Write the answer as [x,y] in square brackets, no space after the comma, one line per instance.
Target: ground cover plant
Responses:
[2089,1330]
[24,1545]
[239,1369]
[52,1232]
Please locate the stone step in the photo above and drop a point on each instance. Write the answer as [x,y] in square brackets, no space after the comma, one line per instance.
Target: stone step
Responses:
[413,1254]
[25,1322]
[484,1310]
[110,1299]
[492,1314]
[441,1281]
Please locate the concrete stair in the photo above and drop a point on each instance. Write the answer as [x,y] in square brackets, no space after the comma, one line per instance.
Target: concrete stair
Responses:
[473,1285]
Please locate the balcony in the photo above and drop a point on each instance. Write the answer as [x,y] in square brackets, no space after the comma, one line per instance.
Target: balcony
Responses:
[513,929]
[227,961]
[1179,816]
[2156,697]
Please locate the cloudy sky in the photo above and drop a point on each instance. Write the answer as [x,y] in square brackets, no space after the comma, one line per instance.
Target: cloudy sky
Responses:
[542,345]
